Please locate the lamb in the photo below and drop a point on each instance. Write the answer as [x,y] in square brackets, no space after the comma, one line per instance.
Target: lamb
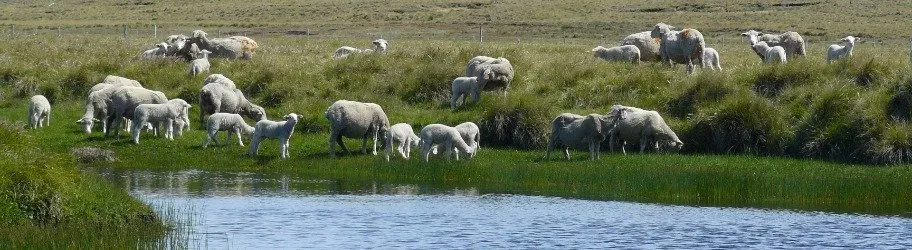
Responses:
[221,79]
[39,111]
[711,58]
[158,52]
[770,54]
[649,47]
[623,53]
[233,123]
[345,51]
[683,46]
[403,135]
[491,75]
[217,97]
[576,131]
[231,47]
[472,137]
[463,87]
[357,120]
[792,42]
[380,46]
[164,113]
[198,66]
[836,51]
[645,127]
[123,101]
[442,136]
[266,129]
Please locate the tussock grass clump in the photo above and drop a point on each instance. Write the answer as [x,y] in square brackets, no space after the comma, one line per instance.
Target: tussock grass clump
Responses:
[705,89]
[522,122]
[771,81]
[744,124]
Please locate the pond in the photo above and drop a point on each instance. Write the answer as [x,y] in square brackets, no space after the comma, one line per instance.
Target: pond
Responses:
[254,210]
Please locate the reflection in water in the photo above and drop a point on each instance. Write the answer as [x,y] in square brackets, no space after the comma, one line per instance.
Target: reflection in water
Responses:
[251,210]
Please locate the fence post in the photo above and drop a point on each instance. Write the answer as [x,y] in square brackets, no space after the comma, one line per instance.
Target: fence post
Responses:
[517,40]
[480,34]
[155,31]
[58,31]
[125,32]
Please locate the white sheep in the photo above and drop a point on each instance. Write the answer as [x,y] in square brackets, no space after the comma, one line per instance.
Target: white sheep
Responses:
[711,58]
[623,53]
[494,74]
[232,123]
[836,51]
[219,97]
[576,131]
[405,138]
[644,127]
[463,87]
[380,46]
[39,111]
[474,62]
[442,136]
[649,47]
[221,79]
[683,46]
[201,65]
[774,54]
[233,47]
[266,129]
[345,51]
[357,120]
[164,114]
[158,52]
[792,42]
[471,135]
[123,101]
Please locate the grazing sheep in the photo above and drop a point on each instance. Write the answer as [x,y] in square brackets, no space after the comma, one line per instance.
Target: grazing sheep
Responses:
[623,53]
[231,47]
[357,120]
[403,135]
[96,107]
[645,127]
[770,54]
[474,62]
[711,58]
[158,52]
[164,113]
[380,46]
[266,129]
[471,135]
[576,131]
[232,123]
[463,87]
[682,47]
[836,51]
[442,136]
[792,42]
[121,81]
[649,47]
[123,101]
[492,74]
[39,111]
[221,79]
[345,51]
[201,65]
[216,97]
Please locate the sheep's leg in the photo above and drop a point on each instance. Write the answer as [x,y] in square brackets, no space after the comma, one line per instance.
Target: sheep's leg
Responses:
[135,134]
[456,152]
[448,146]
[364,144]
[112,122]
[170,129]
[283,148]
[376,134]
[408,149]
[624,147]
[210,135]
[550,147]
[104,126]
[254,145]
[567,153]
[238,133]
[453,100]
[426,151]
[48,121]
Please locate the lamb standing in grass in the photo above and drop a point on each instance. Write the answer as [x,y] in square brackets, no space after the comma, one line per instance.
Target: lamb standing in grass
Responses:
[463,87]
[158,52]
[684,47]
[217,97]
[159,114]
[623,53]
[836,51]
[402,135]
[644,127]
[357,120]
[711,58]
[443,137]
[123,101]
[649,47]
[232,123]
[770,54]
[471,135]
[266,129]
[39,111]
[792,42]
[198,66]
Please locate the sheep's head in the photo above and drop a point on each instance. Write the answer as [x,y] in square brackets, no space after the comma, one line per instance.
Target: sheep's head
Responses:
[87,123]
[674,145]
[198,34]
[416,142]
[380,45]
[752,35]
[176,41]
[292,118]
[849,40]
[254,112]
[660,29]
[599,52]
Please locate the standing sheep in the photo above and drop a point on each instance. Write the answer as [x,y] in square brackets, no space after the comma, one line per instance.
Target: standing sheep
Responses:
[121,81]
[792,42]
[471,135]
[357,120]
[402,135]
[645,127]
[444,137]
[39,111]
[491,75]
[623,53]
[159,114]
[216,97]
[474,62]
[683,46]
[711,58]
[576,131]
[158,52]
[836,51]
[201,65]
[231,47]
[221,79]
[232,123]
[123,101]
[266,129]
[649,47]
[463,87]
[770,54]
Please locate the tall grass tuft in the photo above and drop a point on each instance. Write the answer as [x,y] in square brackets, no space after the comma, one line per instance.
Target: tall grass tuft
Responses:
[744,124]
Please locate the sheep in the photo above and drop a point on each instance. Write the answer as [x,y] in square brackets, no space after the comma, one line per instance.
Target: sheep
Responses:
[792,42]
[645,127]
[836,51]
[158,52]
[683,46]
[39,111]
[123,101]
[443,136]
[406,138]
[463,87]
[576,131]
[770,54]
[232,123]
[649,47]
[711,57]
[96,107]
[345,51]
[198,66]
[231,47]
[164,113]
[491,75]
[121,81]
[266,129]
[472,137]
[221,79]
[357,120]
[628,53]
[216,97]
[177,47]
[380,46]
[474,62]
